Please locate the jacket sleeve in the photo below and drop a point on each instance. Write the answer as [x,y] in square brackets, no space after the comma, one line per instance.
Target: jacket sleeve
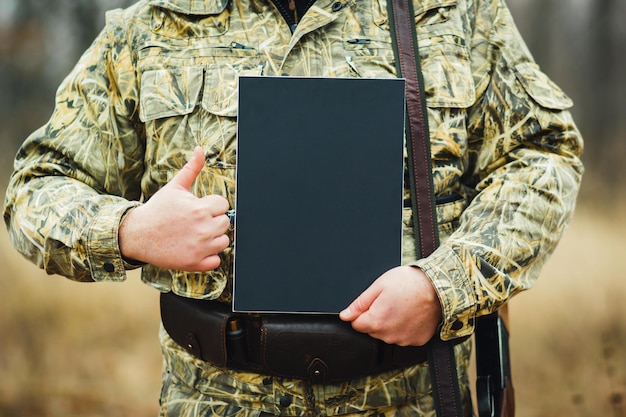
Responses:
[76,177]
[525,169]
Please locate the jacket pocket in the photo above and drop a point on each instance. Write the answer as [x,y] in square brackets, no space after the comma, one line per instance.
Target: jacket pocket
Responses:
[168,102]
[221,91]
[448,210]
[541,88]
[169,92]
[444,54]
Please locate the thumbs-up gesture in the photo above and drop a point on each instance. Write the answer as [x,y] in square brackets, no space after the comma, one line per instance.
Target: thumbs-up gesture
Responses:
[175,229]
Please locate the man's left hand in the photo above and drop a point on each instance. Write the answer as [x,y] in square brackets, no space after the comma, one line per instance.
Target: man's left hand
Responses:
[401,307]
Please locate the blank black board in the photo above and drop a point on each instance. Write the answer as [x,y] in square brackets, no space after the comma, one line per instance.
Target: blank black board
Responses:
[319,191]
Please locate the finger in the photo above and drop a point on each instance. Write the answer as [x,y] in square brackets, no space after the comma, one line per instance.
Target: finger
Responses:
[218,244]
[188,173]
[221,224]
[361,304]
[209,256]
[216,205]
[209,263]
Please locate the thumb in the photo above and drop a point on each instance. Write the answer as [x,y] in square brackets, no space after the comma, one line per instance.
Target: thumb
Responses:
[188,173]
[361,304]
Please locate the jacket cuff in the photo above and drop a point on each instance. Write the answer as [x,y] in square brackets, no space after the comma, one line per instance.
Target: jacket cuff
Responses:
[103,250]
[451,280]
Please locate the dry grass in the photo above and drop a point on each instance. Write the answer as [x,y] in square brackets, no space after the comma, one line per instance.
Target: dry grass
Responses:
[70,349]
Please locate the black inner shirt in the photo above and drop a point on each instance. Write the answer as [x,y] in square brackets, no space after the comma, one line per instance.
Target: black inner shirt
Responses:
[293,10]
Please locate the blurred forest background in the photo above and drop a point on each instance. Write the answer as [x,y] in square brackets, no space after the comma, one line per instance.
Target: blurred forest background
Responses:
[69,349]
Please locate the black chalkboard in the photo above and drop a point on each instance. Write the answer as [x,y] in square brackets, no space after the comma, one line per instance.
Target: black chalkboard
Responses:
[319,190]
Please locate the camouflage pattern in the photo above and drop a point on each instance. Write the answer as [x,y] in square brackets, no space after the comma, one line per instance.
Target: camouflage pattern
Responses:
[162,78]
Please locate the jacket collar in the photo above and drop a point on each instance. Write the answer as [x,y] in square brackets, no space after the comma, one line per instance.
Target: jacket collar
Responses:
[192,7]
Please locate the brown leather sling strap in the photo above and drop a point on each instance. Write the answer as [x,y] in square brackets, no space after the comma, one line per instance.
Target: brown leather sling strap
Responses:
[440,354]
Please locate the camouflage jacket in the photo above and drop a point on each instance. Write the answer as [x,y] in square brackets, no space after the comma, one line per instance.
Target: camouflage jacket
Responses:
[162,77]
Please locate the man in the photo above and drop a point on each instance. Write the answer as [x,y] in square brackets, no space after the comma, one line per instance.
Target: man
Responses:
[136,169]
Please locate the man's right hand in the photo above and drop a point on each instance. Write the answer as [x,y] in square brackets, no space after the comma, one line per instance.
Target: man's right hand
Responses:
[175,229]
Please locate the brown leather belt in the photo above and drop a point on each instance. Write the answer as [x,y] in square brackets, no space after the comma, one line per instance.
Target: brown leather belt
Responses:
[319,348]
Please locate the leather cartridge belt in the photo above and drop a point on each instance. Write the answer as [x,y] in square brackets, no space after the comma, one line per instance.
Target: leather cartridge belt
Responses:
[319,348]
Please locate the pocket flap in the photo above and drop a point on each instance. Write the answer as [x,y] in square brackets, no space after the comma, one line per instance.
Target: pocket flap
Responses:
[221,92]
[190,6]
[316,344]
[169,92]
[541,88]
[194,324]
